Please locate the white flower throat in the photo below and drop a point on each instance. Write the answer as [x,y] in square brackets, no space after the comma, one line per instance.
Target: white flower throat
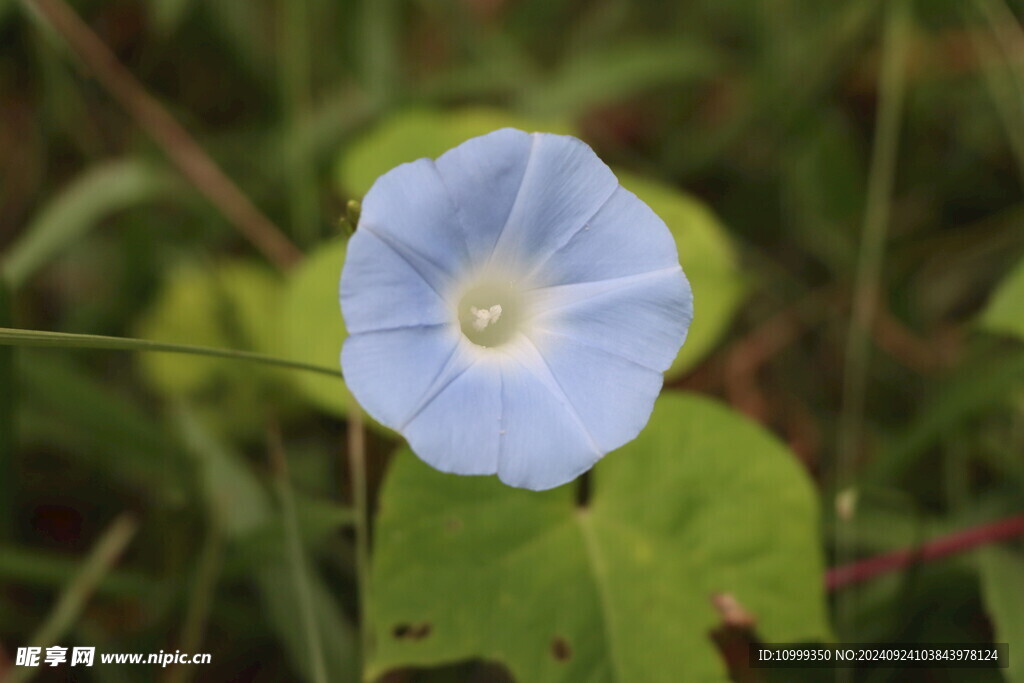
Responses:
[490,312]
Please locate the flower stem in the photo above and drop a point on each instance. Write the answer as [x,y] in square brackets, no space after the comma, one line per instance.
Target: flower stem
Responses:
[8,435]
[847,575]
[42,338]
[867,285]
[200,601]
[356,447]
[296,553]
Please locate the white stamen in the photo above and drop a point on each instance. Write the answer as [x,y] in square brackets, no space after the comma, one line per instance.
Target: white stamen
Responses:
[485,316]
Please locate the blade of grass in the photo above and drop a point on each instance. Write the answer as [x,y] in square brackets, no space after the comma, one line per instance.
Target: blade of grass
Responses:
[379,48]
[167,15]
[296,554]
[972,391]
[77,593]
[1007,89]
[239,28]
[8,403]
[42,569]
[336,115]
[615,73]
[190,158]
[356,448]
[100,190]
[86,420]
[258,537]
[275,586]
[816,60]
[294,86]
[65,340]
[867,284]
[200,600]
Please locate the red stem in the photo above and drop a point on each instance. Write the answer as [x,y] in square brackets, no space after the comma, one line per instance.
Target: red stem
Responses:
[864,570]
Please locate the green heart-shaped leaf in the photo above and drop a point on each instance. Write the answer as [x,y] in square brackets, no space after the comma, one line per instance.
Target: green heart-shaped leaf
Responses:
[704,502]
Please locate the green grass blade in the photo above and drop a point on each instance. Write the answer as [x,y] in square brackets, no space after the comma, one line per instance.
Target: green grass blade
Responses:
[873,240]
[378,48]
[100,191]
[90,423]
[617,73]
[295,89]
[77,593]
[23,566]
[261,542]
[65,340]
[1002,72]
[970,393]
[868,278]
[202,593]
[297,559]
[8,403]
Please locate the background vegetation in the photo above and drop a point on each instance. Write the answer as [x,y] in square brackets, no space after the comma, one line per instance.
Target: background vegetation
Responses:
[843,180]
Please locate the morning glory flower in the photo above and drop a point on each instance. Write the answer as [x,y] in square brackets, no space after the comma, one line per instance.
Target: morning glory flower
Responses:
[511,308]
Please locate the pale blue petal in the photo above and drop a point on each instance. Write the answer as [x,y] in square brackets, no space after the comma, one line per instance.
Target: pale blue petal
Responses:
[545,442]
[458,430]
[563,187]
[607,313]
[390,371]
[483,176]
[410,210]
[625,237]
[381,290]
[612,396]
[642,318]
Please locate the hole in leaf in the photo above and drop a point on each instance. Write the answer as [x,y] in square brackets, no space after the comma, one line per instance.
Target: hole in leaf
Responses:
[411,631]
[560,649]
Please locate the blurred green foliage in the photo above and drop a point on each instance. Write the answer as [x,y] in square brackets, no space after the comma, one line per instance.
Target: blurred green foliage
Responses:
[414,134]
[313,329]
[1002,580]
[1005,311]
[237,305]
[747,125]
